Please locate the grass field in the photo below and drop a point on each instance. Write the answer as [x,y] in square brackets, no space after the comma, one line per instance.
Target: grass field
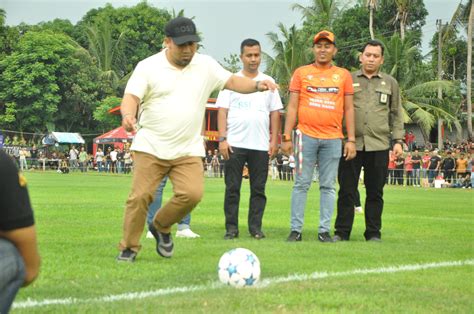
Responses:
[427,240]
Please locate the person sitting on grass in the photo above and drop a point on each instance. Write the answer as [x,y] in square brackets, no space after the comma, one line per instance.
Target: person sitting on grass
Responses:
[63,167]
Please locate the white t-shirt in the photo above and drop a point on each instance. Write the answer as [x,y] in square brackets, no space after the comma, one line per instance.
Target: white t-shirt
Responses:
[72,154]
[174,102]
[113,155]
[248,118]
[99,156]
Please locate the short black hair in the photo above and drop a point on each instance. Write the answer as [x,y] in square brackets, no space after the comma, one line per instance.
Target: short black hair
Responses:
[373,42]
[249,42]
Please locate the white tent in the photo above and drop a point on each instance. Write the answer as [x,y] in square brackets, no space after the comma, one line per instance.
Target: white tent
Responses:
[63,138]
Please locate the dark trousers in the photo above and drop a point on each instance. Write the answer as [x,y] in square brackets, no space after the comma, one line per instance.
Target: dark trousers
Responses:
[448,175]
[375,173]
[257,162]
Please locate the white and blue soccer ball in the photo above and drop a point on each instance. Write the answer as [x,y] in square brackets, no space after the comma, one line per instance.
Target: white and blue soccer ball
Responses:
[239,268]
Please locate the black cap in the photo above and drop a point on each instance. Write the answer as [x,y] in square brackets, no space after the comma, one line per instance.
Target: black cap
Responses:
[181,30]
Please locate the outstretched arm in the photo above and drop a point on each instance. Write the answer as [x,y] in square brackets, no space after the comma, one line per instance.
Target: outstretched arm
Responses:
[244,85]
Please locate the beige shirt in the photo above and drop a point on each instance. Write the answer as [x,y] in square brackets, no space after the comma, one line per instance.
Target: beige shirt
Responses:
[173,104]
[378,111]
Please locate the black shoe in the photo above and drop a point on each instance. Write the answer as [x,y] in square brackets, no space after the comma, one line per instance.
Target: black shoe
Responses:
[229,235]
[374,239]
[258,235]
[127,255]
[164,242]
[294,236]
[338,238]
[324,237]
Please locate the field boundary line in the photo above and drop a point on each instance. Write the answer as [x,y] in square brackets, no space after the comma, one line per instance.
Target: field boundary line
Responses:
[29,303]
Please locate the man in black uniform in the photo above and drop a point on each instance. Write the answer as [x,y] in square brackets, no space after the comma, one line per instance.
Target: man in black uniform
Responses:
[19,258]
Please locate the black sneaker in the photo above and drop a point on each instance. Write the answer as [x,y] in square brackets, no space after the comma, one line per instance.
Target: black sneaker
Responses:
[324,237]
[338,238]
[164,242]
[229,235]
[294,236]
[127,255]
[258,235]
[374,239]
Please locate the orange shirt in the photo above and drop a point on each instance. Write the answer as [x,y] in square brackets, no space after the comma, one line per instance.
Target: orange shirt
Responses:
[461,165]
[321,99]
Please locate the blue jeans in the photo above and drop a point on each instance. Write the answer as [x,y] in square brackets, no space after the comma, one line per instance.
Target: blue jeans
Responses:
[416,176]
[156,205]
[12,274]
[432,175]
[326,154]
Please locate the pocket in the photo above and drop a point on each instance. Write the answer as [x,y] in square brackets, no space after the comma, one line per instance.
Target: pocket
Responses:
[384,96]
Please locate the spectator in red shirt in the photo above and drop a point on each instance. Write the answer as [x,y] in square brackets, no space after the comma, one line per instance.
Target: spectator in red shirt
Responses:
[410,140]
[409,169]
[391,168]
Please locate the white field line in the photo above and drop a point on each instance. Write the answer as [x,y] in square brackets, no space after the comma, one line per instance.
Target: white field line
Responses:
[29,303]
[441,218]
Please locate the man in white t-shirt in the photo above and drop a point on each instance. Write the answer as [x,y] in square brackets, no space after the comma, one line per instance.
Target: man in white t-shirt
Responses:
[244,122]
[172,87]
[73,154]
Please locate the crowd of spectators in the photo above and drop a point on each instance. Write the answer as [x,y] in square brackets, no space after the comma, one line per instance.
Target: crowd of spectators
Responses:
[453,166]
[418,167]
[74,158]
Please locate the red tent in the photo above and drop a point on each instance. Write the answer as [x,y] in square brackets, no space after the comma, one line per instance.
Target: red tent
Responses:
[116,137]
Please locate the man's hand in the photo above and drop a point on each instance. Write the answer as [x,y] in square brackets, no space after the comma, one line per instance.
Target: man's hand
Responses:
[398,149]
[225,149]
[287,148]
[273,149]
[266,85]
[129,123]
[349,150]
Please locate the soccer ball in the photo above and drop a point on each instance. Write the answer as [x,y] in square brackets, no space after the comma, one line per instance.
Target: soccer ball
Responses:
[239,268]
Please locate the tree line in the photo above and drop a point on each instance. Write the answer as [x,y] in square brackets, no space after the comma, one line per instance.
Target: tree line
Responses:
[56,76]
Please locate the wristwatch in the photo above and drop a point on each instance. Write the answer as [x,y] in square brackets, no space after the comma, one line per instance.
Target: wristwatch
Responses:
[222,139]
[286,138]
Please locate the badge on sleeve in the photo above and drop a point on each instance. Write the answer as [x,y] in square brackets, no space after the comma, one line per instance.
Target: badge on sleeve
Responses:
[383,98]
[21,180]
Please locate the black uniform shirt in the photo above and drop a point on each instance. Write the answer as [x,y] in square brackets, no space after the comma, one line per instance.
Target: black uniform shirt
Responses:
[15,207]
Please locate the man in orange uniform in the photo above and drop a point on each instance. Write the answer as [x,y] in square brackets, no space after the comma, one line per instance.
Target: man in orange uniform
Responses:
[320,96]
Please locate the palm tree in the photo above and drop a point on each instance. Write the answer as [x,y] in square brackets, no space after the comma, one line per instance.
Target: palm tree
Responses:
[291,51]
[419,99]
[3,14]
[470,7]
[402,15]
[324,11]
[423,107]
[107,52]
[372,5]
[463,17]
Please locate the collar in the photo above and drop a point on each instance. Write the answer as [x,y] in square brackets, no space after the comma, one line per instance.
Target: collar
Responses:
[360,73]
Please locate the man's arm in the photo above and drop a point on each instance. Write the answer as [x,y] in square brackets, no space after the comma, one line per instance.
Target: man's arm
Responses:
[25,241]
[396,120]
[128,109]
[290,121]
[224,146]
[349,146]
[244,85]
[274,129]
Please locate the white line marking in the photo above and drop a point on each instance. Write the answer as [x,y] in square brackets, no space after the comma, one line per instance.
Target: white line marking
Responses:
[29,303]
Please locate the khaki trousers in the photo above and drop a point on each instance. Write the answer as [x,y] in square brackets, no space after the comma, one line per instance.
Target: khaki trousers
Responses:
[186,175]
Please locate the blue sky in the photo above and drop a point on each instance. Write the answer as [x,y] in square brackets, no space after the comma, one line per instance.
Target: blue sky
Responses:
[224,24]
